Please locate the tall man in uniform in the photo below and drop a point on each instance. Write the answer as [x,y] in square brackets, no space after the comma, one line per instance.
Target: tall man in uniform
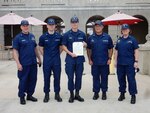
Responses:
[74,64]
[99,50]
[50,44]
[25,52]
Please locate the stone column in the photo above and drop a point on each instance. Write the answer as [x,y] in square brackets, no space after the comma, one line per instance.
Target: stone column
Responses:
[144,57]
[2,35]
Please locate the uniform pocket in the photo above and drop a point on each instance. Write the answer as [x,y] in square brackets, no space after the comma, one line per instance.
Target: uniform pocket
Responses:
[24,43]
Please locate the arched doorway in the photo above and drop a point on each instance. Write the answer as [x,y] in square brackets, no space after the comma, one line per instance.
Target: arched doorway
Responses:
[89,24]
[60,25]
[140,30]
[9,33]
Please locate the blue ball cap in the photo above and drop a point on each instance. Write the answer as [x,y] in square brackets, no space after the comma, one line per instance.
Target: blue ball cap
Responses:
[98,22]
[125,26]
[24,22]
[74,19]
[51,21]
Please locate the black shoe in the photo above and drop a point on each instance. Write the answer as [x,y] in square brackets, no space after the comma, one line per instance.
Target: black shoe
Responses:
[133,99]
[104,96]
[46,98]
[78,97]
[22,101]
[58,98]
[31,98]
[96,96]
[121,97]
[71,99]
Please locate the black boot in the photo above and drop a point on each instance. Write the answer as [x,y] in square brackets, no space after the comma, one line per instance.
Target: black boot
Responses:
[46,98]
[57,97]
[22,101]
[78,97]
[104,96]
[133,99]
[31,98]
[96,96]
[71,99]
[121,97]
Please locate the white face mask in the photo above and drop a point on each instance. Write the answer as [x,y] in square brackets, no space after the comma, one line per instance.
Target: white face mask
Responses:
[51,32]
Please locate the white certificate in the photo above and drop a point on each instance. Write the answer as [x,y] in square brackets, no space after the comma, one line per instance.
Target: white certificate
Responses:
[78,48]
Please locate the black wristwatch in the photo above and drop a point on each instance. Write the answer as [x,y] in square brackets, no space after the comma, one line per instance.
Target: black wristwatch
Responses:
[136,61]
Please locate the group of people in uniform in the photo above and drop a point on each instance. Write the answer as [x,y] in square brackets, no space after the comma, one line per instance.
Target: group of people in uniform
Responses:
[99,51]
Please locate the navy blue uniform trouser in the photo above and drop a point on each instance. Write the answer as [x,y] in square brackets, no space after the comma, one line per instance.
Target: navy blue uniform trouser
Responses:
[56,69]
[129,71]
[77,70]
[27,80]
[100,77]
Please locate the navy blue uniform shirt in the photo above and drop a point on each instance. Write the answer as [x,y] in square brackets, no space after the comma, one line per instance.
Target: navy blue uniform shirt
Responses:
[126,47]
[25,44]
[99,45]
[51,44]
[68,39]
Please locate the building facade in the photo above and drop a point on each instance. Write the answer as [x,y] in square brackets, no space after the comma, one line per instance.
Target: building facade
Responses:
[87,11]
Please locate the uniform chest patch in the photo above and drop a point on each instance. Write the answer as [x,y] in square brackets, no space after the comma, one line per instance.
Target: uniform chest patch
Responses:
[105,40]
[57,39]
[129,42]
[80,37]
[23,40]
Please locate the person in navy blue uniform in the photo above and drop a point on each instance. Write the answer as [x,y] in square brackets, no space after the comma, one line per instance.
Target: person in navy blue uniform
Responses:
[126,61]
[74,63]
[50,48]
[25,52]
[99,51]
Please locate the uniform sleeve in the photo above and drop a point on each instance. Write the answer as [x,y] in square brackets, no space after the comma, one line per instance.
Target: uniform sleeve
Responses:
[135,44]
[15,43]
[64,40]
[88,43]
[110,43]
[41,41]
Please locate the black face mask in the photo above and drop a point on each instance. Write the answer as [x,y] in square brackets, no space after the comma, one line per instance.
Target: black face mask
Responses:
[137,70]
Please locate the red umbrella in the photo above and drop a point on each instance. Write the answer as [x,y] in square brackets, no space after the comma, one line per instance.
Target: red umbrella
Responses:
[120,18]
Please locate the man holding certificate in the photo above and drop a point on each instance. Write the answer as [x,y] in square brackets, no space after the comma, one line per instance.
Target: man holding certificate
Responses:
[73,43]
[100,49]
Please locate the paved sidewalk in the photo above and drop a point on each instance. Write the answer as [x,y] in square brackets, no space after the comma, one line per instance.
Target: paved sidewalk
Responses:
[9,102]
